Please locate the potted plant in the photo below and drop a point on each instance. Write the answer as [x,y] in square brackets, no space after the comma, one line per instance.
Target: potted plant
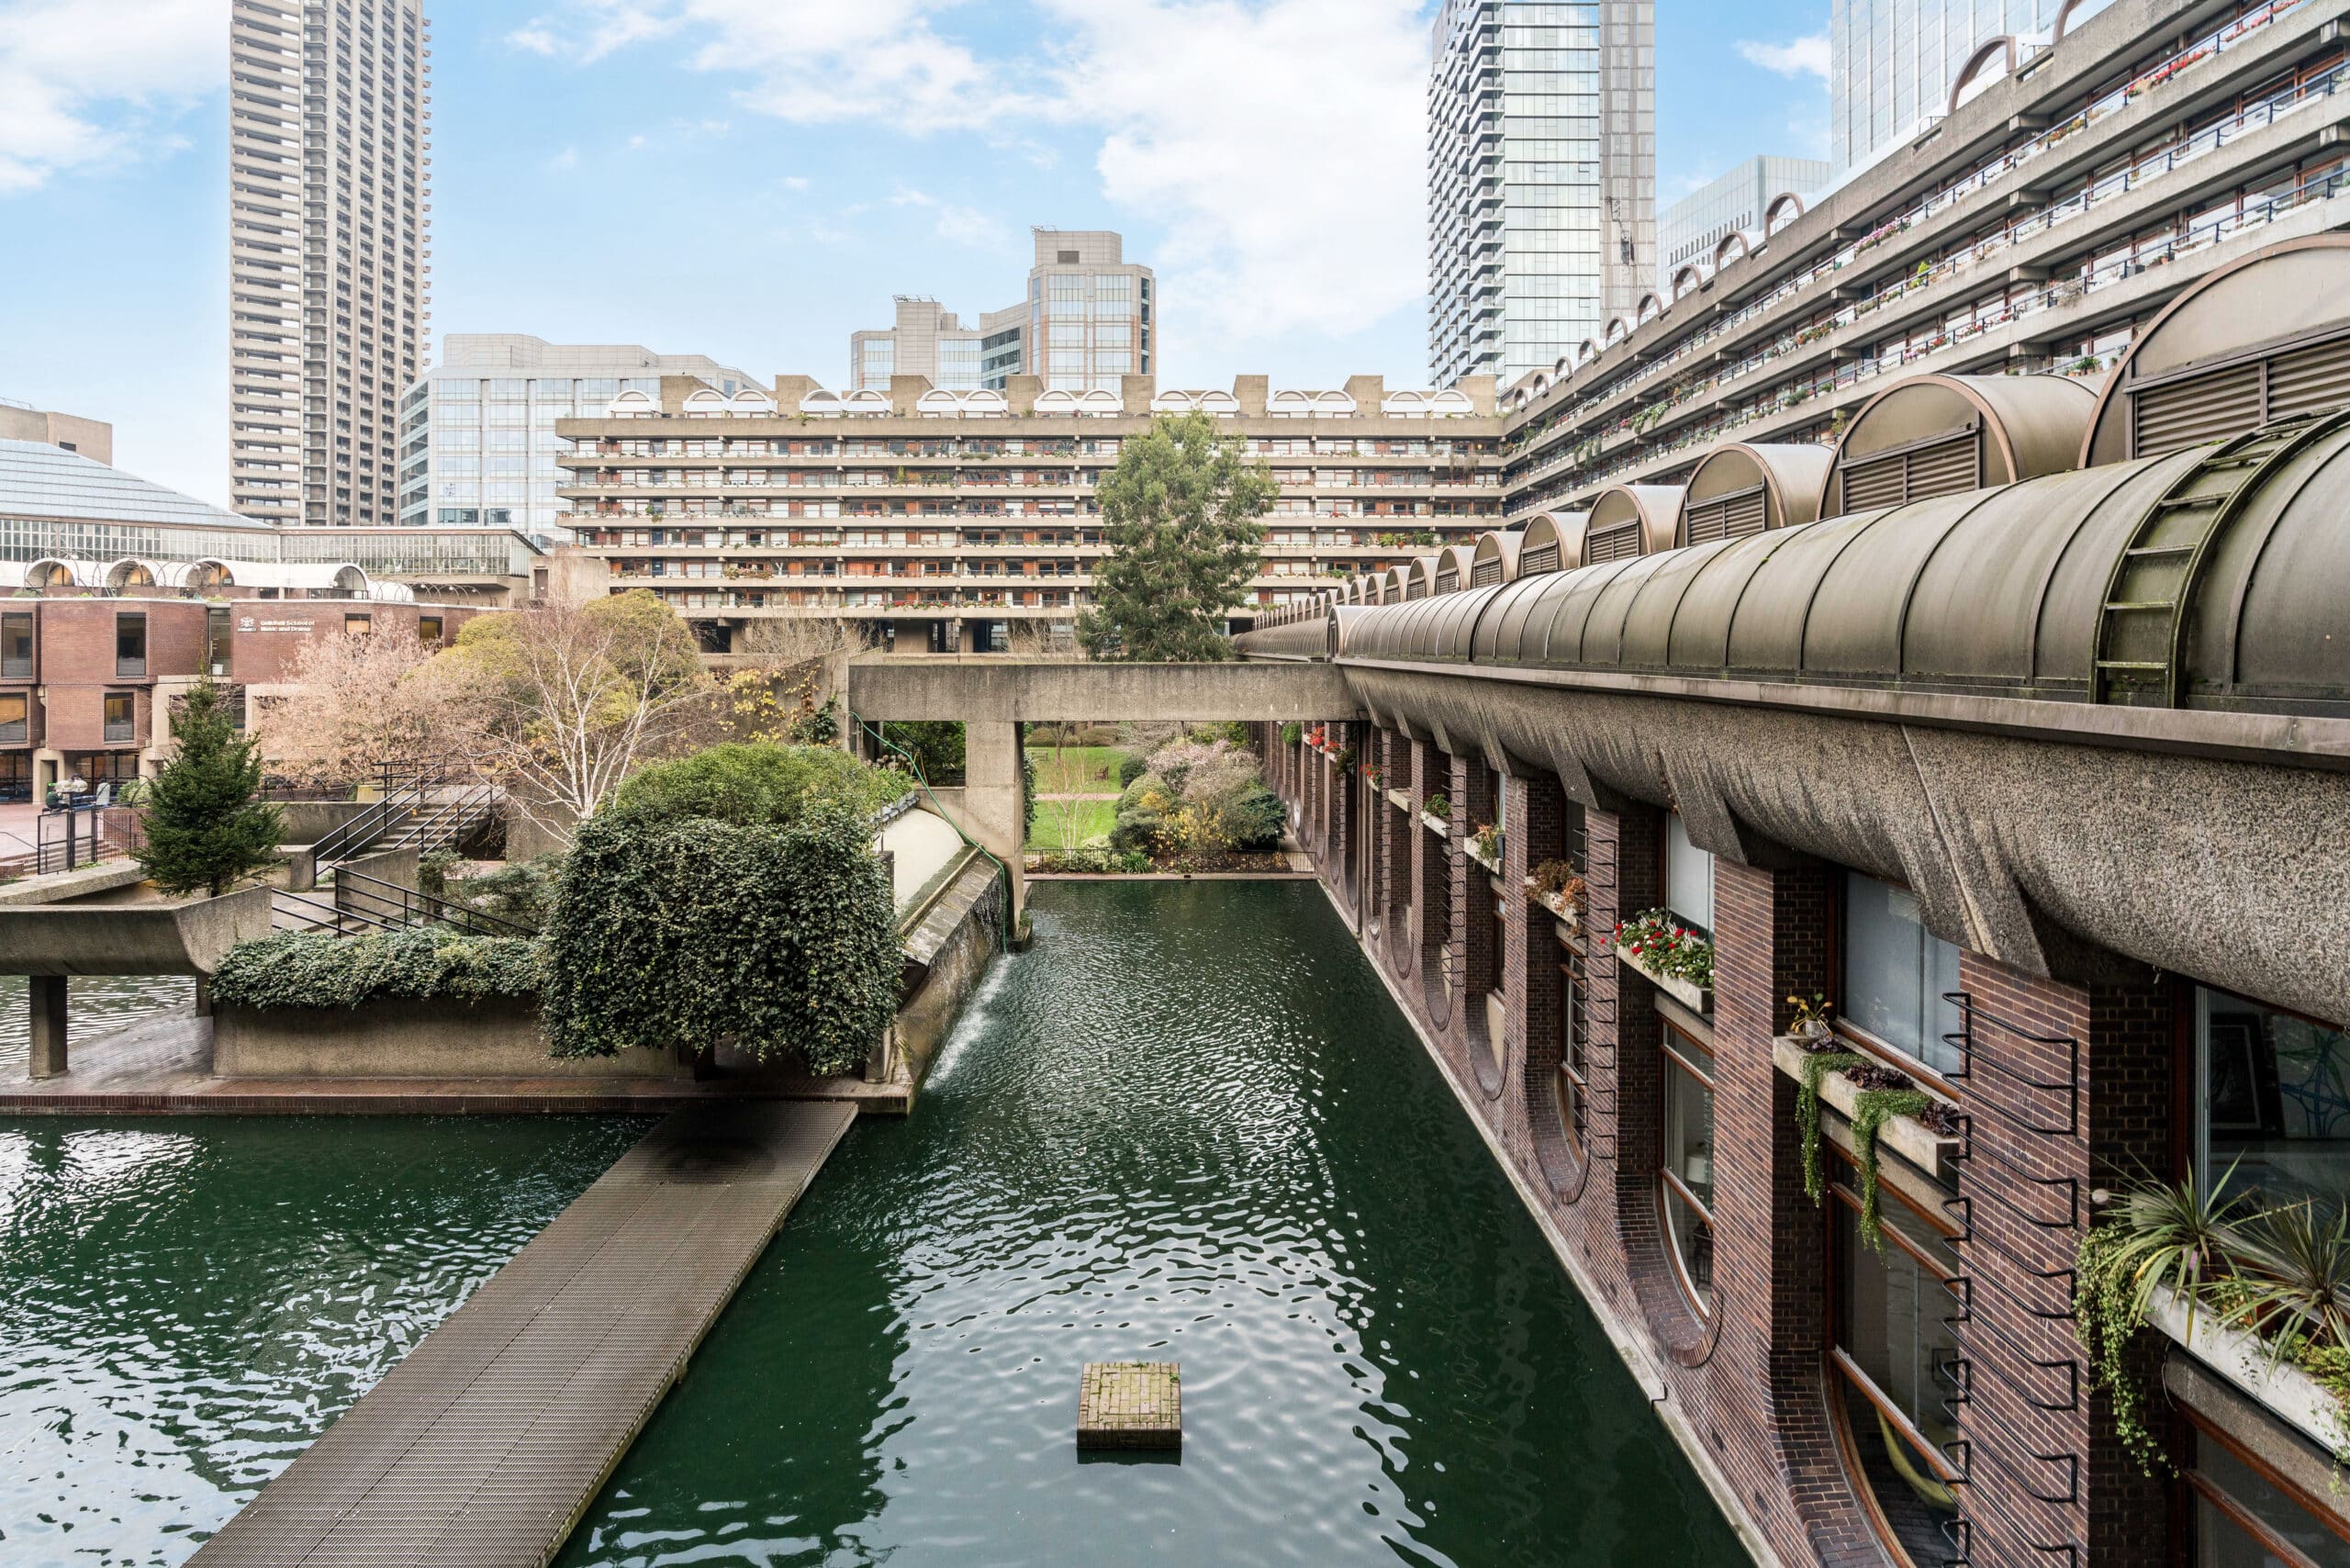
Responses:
[1678,960]
[1438,807]
[1486,845]
[1554,882]
[1808,1023]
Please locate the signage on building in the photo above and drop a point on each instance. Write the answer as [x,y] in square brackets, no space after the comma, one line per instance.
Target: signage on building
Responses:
[247,624]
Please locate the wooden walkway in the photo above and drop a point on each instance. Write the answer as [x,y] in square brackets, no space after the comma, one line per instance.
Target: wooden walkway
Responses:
[486,1444]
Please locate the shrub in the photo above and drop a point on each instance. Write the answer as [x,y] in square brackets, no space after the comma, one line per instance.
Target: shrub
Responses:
[1259,818]
[693,932]
[1438,806]
[312,968]
[1098,734]
[521,894]
[204,822]
[1093,860]
[756,783]
[1131,767]
[1229,732]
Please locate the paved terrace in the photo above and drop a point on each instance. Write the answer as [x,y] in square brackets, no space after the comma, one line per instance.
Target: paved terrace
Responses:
[486,1444]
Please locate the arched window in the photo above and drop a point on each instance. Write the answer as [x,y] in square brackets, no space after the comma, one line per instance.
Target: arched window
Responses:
[1686,1173]
[1893,1368]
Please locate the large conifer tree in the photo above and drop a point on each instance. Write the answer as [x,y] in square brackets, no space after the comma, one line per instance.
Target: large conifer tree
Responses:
[1182,514]
[206,824]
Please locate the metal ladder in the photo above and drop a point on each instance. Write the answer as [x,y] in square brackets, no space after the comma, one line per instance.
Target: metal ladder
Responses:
[2141,639]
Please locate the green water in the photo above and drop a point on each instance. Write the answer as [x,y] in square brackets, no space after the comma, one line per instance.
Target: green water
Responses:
[1188,1126]
[186,1303]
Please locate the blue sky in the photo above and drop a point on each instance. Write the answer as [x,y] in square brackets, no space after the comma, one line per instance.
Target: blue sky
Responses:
[752,179]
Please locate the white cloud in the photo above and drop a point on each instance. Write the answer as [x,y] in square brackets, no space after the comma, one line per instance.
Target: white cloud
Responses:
[969,226]
[1290,195]
[1800,56]
[537,41]
[795,182]
[77,93]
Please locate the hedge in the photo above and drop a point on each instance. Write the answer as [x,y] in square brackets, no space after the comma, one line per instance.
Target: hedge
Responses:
[756,783]
[313,968]
[780,941]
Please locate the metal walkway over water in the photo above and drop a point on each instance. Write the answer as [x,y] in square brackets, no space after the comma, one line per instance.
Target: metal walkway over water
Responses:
[486,1444]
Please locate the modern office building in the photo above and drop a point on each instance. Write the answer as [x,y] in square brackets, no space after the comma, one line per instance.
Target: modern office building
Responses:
[1744,201]
[478,446]
[329,230]
[1892,63]
[1541,179]
[67,432]
[1088,320]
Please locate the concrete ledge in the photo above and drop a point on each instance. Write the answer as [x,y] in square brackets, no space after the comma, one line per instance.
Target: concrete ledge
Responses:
[439,1039]
[59,886]
[164,937]
[1906,1136]
[996,689]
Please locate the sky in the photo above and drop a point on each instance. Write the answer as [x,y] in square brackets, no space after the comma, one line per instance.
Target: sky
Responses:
[754,179]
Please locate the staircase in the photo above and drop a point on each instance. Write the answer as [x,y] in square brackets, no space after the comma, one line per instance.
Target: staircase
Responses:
[420,809]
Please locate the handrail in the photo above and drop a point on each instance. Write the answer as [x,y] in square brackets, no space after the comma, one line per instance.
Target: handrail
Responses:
[445,912]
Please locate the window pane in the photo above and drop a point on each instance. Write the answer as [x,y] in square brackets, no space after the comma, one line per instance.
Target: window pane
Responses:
[2275,1102]
[1688,877]
[1689,1156]
[1916,1506]
[2223,1544]
[1896,973]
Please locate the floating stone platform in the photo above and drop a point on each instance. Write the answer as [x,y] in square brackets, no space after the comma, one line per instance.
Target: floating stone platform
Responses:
[1130,1404]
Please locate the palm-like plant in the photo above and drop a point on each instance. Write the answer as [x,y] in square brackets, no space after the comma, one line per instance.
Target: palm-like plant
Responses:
[2181,1237]
[2292,1278]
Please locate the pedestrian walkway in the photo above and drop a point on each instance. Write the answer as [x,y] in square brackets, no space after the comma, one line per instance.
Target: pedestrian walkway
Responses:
[488,1441]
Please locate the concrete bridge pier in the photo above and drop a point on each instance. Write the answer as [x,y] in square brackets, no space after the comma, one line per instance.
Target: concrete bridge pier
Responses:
[993,811]
[46,1058]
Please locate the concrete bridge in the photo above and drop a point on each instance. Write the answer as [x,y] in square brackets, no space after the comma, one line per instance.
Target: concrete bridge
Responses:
[993,696]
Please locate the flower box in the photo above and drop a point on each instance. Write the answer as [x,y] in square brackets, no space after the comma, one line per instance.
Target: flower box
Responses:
[1437,824]
[1696,998]
[2242,1358]
[1492,864]
[1906,1136]
[1569,916]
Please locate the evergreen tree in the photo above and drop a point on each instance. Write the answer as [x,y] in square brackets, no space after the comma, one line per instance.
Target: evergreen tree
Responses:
[1182,516]
[206,827]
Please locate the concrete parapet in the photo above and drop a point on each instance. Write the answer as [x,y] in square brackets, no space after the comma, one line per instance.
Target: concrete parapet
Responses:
[439,1039]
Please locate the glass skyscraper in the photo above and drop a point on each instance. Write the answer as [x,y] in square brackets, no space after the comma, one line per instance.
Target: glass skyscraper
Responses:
[1541,179]
[1891,63]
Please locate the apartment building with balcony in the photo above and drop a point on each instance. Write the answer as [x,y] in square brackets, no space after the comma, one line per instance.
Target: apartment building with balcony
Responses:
[329,235]
[2039,226]
[946,519]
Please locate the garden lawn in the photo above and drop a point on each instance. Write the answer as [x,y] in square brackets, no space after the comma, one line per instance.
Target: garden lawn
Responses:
[1046,835]
[1077,770]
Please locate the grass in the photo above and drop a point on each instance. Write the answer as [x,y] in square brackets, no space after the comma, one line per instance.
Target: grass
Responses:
[1053,821]
[1076,770]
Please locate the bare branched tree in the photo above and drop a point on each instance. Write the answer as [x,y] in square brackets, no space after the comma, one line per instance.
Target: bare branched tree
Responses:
[360,702]
[571,699]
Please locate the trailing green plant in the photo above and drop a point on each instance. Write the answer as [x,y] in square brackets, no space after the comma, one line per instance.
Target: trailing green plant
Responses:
[1488,839]
[694,932]
[1344,758]
[1817,1065]
[314,968]
[2105,1320]
[1872,1108]
[206,823]
[432,868]
[1292,732]
[1438,806]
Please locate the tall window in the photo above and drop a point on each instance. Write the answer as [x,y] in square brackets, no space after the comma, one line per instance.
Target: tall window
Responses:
[216,641]
[130,644]
[1688,877]
[17,646]
[1575,1068]
[1685,1176]
[2247,1514]
[1895,1363]
[120,720]
[2273,1102]
[15,727]
[1896,974]
[428,628]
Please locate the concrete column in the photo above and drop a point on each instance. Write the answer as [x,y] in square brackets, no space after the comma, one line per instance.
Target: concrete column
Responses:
[46,1057]
[991,799]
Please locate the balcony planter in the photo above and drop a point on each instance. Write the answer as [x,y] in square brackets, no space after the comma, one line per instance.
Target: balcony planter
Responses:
[2289,1394]
[1906,1136]
[1568,913]
[1695,998]
[1492,863]
[1435,824]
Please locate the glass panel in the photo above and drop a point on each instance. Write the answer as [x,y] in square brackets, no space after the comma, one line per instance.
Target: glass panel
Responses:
[16,645]
[1896,973]
[130,645]
[2275,1102]
[1688,877]
[1915,1504]
[1689,1156]
[2221,1542]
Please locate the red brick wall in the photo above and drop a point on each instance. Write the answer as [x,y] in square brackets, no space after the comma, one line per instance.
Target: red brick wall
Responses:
[1751,1384]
